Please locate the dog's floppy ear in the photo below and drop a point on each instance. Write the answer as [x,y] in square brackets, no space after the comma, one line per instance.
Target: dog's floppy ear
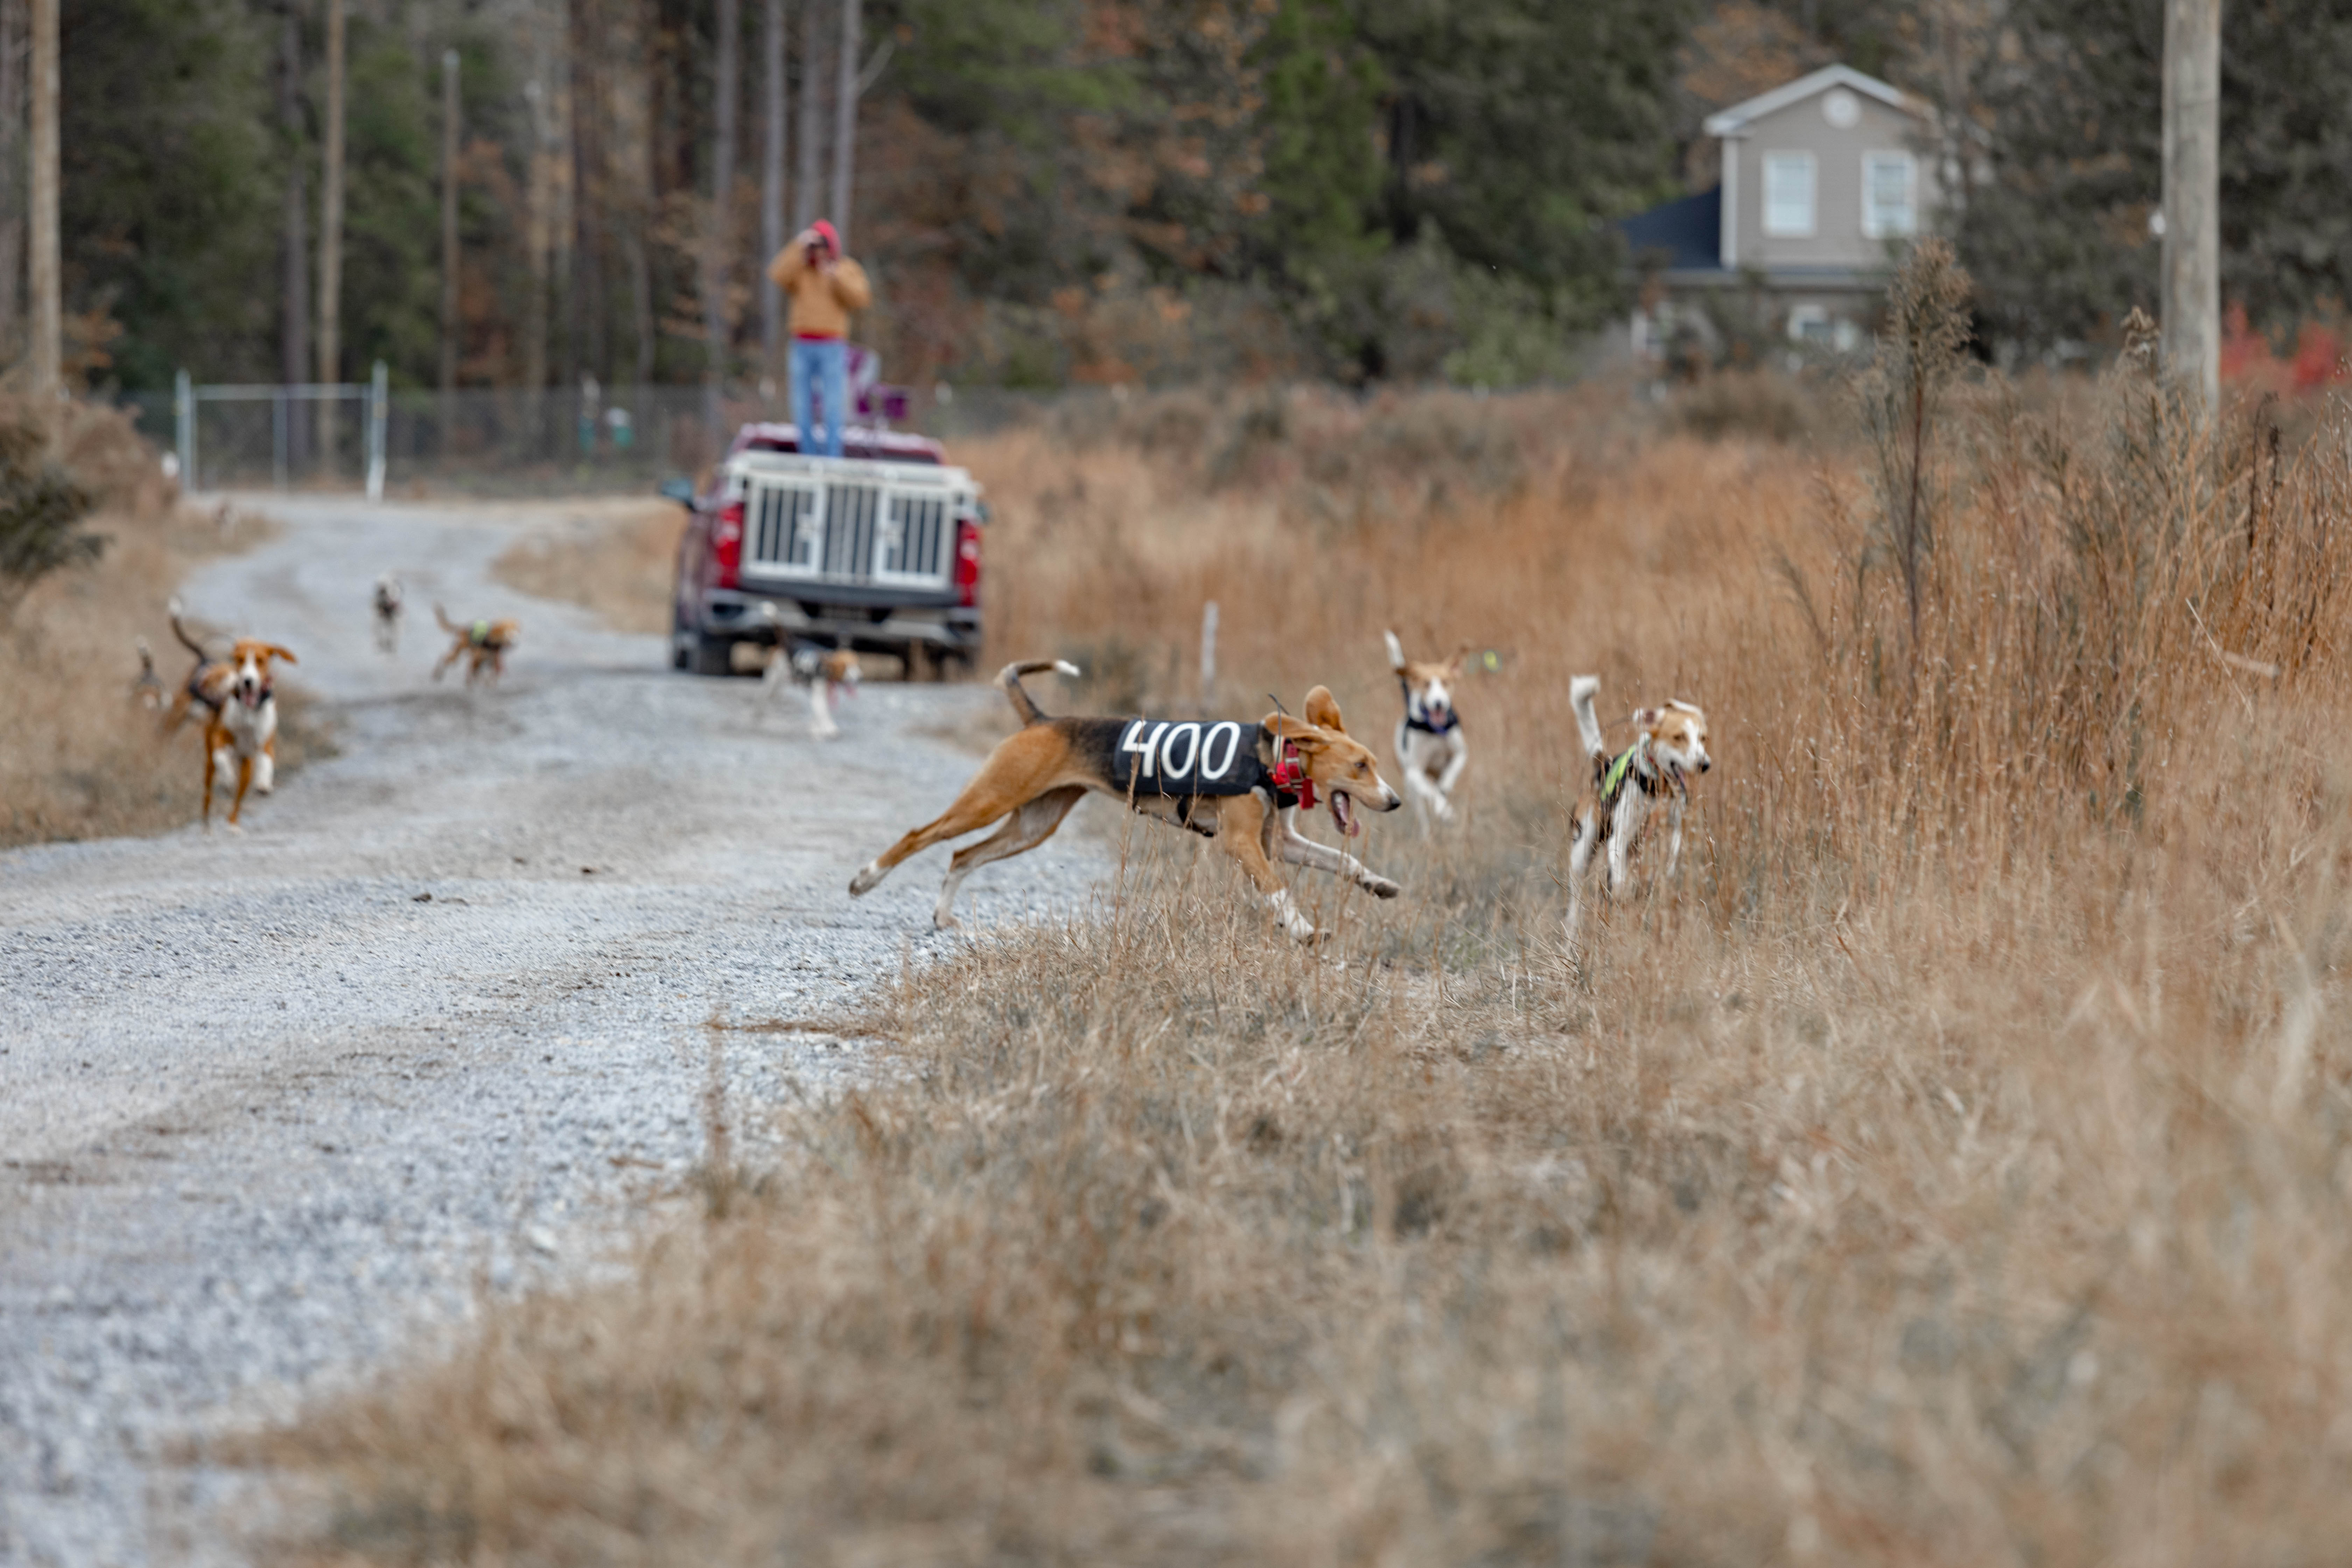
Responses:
[274,651]
[1459,662]
[1323,710]
[1307,737]
[1396,652]
[1646,717]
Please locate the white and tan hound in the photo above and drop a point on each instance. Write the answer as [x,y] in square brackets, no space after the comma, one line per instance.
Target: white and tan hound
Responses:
[1239,784]
[1669,746]
[1430,746]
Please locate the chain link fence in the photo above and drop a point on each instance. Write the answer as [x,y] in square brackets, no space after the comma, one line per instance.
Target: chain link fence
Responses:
[413,442]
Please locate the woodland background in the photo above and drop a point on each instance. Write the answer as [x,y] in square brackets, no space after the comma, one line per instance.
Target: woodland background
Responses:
[1057,191]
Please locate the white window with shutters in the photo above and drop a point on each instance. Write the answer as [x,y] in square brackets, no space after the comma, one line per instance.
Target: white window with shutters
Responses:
[1890,196]
[1789,194]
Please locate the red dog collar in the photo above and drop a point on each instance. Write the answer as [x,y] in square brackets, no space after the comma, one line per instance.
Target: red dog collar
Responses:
[1291,774]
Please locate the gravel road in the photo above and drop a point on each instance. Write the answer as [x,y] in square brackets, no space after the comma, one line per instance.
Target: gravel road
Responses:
[267,1115]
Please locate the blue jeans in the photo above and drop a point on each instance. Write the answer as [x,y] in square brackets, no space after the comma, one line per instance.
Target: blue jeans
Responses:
[828,359]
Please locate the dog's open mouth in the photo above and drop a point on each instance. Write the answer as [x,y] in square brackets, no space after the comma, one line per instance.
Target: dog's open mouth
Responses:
[1343,811]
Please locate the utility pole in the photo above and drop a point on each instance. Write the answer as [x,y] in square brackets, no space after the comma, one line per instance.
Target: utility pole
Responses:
[331,235]
[48,311]
[2192,177]
[722,193]
[294,241]
[844,118]
[448,243]
[772,184]
[11,173]
[539,203]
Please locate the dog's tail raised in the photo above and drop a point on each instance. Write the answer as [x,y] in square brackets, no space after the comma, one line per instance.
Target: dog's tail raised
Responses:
[1582,691]
[1009,678]
[443,616]
[191,644]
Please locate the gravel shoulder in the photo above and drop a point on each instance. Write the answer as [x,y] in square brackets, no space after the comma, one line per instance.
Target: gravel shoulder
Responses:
[266,1113]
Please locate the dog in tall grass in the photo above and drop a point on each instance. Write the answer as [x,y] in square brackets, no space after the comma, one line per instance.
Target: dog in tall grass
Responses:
[484,644]
[1238,784]
[240,696]
[1669,745]
[1429,748]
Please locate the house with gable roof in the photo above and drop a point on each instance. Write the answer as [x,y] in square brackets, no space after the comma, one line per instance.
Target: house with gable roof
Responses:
[1823,183]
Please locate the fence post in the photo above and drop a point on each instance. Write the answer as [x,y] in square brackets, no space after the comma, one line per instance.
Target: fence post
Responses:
[1208,654]
[278,415]
[183,414]
[379,397]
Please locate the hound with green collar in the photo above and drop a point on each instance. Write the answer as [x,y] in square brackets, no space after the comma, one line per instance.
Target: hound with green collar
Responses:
[1669,745]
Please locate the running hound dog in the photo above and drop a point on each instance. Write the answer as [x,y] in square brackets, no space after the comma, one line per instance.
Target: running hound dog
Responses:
[387,601]
[1670,745]
[1429,743]
[483,645]
[1239,784]
[824,673]
[240,696]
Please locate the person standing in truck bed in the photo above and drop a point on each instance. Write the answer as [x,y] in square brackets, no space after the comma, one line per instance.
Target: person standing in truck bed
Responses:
[825,287]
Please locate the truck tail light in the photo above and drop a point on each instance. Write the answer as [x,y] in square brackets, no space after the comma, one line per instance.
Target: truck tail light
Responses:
[727,546]
[967,564]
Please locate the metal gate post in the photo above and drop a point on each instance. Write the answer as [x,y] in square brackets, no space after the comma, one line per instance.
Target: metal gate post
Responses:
[278,438]
[379,400]
[183,408]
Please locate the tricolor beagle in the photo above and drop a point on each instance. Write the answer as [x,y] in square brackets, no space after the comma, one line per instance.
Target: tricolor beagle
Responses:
[240,696]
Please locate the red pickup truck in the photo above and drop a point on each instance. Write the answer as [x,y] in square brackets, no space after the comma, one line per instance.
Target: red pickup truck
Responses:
[877,550]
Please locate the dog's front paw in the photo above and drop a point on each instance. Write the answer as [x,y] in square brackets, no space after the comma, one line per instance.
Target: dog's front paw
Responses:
[864,882]
[1382,888]
[946,923]
[1445,809]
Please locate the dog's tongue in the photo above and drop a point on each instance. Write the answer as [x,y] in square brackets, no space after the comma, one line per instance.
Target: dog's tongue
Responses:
[1343,815]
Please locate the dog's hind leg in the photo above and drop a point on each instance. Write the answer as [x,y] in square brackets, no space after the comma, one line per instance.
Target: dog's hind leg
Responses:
[1581,828]
[1298,849]
[1023,831]
[974,809]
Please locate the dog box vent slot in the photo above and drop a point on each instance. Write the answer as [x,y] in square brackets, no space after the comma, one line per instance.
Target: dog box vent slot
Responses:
[850,514]
[914,539]
[781,532]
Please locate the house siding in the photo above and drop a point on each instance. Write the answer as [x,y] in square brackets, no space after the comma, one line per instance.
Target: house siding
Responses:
[1837,241]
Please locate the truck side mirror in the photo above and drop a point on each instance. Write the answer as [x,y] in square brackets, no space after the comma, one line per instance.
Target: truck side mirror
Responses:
[679,490]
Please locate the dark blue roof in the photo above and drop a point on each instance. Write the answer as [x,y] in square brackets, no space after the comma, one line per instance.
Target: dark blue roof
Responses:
[1690,231]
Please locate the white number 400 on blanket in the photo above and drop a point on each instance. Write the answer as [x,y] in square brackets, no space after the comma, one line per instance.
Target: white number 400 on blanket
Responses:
[1168,758]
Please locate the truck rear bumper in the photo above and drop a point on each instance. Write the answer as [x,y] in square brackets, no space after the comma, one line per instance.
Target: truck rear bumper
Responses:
[952,629]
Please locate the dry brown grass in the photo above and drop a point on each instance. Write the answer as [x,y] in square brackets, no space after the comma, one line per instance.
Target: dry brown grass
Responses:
[1953,1168]
[613,556]
[78,758]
